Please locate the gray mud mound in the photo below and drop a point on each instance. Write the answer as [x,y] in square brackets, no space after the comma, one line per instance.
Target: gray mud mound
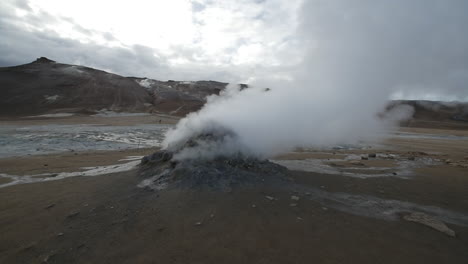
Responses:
[223,173]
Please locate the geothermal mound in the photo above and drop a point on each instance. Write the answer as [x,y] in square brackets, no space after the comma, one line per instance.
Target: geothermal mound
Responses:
[222,173]
[208,159]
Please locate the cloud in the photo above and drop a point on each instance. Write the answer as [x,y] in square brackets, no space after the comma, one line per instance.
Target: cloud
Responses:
[240,41]
[222,40]
[417,46]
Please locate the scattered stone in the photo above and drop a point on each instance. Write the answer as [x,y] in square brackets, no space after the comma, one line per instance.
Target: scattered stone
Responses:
[45,165]
[308,193]
[429,221]
[293,205]
[73,214]
[48,258]
[299,218]
[364,158]
[295,198]
[270,198]
[394,173]
[411,158]
[198,223]
[80,245]
[49,206]
[212,215]
[322,187]
[161,229]
[254,206]
[60,234]
[356,163]
[324,208]
[372,155]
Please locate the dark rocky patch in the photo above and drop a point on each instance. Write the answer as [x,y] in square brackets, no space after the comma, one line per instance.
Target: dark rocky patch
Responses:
[222,173]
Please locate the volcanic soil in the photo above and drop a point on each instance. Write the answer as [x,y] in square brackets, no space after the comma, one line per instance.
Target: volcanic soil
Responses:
[109,219]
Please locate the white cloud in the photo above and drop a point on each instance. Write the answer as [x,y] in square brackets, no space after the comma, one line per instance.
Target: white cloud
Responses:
[245,40]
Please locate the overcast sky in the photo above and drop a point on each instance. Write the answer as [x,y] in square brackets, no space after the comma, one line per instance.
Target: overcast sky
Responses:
[237,40]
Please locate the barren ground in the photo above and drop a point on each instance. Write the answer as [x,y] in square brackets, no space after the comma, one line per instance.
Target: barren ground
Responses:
[108,219]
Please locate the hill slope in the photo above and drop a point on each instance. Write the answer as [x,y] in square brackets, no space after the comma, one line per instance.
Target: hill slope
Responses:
[45,86]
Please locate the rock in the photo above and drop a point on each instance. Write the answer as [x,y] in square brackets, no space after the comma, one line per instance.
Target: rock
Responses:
[254,206]
[49,206]
[60,234]
[295,198]
[293,204]
[324,208]
[198,223]
[411,158]
[372,155]
[43,60]
[48,258]
[429,221]
[364,158]
[356,163]
[73,214]
[270,198]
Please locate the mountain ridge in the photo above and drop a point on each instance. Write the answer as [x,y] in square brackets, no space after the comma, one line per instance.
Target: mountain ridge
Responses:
[45,86]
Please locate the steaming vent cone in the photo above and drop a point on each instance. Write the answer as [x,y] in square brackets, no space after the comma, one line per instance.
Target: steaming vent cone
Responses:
[162,169]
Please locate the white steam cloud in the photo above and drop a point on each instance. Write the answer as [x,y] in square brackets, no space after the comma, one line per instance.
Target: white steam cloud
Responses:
[356,55]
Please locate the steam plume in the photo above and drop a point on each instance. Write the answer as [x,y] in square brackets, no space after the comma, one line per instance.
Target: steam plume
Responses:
[356,54]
